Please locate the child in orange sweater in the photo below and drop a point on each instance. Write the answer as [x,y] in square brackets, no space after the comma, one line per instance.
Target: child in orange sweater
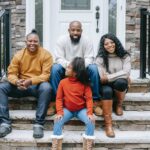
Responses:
[74,99]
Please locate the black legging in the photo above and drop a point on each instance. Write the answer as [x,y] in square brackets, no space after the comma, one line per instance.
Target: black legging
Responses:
[108,89]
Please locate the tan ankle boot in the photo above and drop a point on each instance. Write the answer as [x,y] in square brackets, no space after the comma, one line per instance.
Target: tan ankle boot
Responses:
[97,108]
[107,114]
[51,109]
[57,142]
[120,97]
[88,142]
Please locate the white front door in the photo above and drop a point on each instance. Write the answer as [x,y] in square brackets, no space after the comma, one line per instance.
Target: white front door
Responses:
[90,12]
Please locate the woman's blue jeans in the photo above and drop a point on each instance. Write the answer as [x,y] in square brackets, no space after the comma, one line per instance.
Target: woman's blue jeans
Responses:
[81,115]
[42,91]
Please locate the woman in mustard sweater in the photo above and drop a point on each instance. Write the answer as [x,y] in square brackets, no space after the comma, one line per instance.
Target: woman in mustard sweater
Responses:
[28,75]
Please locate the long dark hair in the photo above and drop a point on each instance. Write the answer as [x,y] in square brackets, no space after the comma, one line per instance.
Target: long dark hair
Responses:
[119,50]
[78,66]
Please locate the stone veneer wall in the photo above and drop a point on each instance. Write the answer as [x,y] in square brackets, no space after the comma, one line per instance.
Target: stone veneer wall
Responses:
[17,8]
[132,25]
[133,28]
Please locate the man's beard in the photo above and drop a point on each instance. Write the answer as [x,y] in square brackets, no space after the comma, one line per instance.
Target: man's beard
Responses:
[75,40]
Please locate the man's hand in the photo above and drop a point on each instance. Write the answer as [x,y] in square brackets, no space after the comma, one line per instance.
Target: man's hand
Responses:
[23,84]
[20,85]
[27,83]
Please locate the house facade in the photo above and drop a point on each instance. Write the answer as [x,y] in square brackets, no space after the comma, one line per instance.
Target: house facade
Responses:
[51,18]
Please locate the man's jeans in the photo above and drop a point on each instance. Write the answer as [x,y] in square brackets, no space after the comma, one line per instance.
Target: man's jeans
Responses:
[58,73]
[41,91]
[81,115]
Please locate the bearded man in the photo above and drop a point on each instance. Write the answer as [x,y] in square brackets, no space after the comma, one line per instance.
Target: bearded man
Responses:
[69,46]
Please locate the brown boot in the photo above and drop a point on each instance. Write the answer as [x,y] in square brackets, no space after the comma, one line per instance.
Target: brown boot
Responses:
[97,108]
[51,109]
[120,97]
[57,142]
[88,142]
[107,113]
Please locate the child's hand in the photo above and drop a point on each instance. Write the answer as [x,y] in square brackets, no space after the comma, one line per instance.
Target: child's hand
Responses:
[58,117]
[91,117]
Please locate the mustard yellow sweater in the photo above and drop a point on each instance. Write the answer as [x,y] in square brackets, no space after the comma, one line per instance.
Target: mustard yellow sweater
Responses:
[30,65]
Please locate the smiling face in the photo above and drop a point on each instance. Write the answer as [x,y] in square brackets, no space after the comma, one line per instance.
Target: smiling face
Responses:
[75,31]
[32,42]
[109,45]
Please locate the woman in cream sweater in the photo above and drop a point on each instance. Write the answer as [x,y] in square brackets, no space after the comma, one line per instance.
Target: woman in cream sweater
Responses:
[114,67]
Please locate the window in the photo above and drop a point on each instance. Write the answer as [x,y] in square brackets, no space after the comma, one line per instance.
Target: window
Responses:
[39,19]
[75,5]
[112,16]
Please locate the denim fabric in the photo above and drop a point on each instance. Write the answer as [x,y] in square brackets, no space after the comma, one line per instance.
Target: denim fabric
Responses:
[81,115]
[58,73]
[41,91]
[108,89]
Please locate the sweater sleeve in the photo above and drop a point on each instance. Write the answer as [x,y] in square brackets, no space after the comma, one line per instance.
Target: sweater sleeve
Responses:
[46,67]
[13,70]
[88,53]
[89,101]
[100,66]
[60,53]
[124,73]
[59,100]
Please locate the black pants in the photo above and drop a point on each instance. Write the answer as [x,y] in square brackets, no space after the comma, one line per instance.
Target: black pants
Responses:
[107,91]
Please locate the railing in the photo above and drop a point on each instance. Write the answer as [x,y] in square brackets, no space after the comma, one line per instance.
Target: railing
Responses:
[4,41]
[144,42]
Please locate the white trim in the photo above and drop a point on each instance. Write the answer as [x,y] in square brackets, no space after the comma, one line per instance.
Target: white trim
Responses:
[30,15]
[46,24]
[104,16]
[57,136]
[89,137]
[121,21]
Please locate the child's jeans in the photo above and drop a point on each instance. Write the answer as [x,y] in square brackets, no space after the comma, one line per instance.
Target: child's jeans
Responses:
[81,115]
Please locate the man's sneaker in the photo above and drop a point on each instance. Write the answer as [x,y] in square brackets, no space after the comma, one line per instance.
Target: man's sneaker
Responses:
[38,131]
[4,130]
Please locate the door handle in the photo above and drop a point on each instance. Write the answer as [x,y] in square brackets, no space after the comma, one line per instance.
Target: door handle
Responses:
[97,16]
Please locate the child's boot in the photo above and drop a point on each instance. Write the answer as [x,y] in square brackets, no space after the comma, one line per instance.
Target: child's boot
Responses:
[57,142]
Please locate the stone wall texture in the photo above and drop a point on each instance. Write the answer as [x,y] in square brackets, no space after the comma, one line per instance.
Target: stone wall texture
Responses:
[132,25]
[17,8]
[133,28]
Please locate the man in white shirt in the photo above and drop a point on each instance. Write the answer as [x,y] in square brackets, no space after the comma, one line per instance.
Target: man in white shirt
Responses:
[69,46]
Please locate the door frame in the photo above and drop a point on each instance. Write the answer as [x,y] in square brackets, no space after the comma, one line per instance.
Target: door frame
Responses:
[47,14]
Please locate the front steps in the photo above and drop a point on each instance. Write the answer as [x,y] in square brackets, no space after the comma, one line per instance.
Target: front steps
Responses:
[132,129]
[127,140]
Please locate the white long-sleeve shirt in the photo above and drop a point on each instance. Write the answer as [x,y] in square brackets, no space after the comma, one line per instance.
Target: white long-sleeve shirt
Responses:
[65,50]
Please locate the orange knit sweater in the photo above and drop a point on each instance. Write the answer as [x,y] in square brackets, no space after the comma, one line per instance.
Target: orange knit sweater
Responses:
[30,65]
[74,96]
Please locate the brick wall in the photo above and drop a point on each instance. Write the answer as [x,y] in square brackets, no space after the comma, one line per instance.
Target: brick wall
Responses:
[17,8]
[133,28]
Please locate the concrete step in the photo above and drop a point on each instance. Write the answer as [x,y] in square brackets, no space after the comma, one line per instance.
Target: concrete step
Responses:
[133,101]
[124,140]
[139,85]
[131,120]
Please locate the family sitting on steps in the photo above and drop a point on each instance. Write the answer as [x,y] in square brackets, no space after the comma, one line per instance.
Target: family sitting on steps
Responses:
[79,83]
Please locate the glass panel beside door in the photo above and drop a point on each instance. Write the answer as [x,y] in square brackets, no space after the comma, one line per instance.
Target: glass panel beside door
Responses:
[75,4]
